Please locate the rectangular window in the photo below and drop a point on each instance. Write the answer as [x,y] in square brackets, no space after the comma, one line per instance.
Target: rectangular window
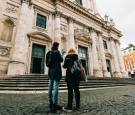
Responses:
[79,1]
[105,44]
[41,21]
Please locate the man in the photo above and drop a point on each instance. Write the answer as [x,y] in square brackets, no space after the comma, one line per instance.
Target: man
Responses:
[53,61]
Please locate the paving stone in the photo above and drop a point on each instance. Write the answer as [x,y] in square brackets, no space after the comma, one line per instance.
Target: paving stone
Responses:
[107,101]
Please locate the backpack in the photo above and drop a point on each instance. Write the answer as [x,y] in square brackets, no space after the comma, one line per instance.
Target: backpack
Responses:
[75,69]
[49,63]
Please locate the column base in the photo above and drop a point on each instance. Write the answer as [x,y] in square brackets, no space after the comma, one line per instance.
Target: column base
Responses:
[98,73]
[117,74]
[16,68]
[124,75]
[106,74]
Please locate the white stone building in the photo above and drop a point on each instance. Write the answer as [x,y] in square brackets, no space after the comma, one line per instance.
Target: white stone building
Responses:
[29,27]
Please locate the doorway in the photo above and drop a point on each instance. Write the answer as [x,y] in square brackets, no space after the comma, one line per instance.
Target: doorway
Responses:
[37,59]
[82,51]
[37,65]
[108,64]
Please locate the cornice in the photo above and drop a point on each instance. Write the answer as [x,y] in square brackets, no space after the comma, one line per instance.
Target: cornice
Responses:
[78,8]
[112,29]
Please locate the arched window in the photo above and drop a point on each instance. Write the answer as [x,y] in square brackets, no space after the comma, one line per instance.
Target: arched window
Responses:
[7,30]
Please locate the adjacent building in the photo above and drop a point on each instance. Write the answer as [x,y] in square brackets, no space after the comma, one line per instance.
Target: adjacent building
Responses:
[129,59]
[29,27]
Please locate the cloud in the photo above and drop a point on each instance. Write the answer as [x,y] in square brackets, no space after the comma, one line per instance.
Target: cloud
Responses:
[123,13]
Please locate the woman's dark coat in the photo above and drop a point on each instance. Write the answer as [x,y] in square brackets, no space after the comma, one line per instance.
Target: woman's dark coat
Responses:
[55,71]
[68,63]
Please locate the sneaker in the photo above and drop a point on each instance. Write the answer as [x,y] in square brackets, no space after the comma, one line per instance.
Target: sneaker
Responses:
[67,109]
[58,107]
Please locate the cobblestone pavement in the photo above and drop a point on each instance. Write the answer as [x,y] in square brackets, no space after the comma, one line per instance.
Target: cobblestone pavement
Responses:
[106,101]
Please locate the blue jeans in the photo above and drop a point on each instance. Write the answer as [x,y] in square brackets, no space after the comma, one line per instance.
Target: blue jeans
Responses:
[53,85]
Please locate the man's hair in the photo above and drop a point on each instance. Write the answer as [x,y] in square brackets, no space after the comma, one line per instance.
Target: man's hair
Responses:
[55,44]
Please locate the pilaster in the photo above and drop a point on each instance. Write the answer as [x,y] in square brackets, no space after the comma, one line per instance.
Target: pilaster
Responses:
[120,59]
[18,63]
[57,36]
[71,41]
[117,72]
[102,52]
[97,72]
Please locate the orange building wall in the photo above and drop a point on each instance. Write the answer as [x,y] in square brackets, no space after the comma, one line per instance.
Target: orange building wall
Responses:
[128,58]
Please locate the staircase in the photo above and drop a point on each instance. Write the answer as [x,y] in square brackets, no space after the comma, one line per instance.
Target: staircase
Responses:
[40,83]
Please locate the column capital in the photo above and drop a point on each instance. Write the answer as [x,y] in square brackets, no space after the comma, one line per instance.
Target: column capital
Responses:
[99,33]
[71,19]
[57,13]
[26,1]
[91,29]
[110,38]
[117,41]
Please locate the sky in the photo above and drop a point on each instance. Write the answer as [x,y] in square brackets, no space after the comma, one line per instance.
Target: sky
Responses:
[123,14]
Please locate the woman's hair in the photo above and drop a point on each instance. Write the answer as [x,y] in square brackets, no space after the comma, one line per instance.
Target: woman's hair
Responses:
[71,51]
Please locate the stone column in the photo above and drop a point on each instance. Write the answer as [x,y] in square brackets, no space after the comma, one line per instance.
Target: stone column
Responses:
[97,72]
[115,60]
[17,65]
[120,59]
[71,41]
[28,42]
[57,36]
[50,25]
[103,59]
[1,16]
[90,60]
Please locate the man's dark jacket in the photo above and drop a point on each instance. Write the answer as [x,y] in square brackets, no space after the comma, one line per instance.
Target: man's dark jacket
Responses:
[55,71]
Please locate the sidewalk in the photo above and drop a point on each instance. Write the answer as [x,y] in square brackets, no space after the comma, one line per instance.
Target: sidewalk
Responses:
[104,101]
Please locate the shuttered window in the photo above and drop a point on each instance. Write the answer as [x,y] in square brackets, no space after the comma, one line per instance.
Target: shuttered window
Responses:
[41,21]
[105,44]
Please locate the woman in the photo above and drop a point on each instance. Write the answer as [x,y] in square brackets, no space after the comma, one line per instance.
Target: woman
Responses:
[72,80]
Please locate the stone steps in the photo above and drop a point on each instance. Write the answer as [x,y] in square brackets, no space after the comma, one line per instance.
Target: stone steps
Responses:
[19,88]
[40,82]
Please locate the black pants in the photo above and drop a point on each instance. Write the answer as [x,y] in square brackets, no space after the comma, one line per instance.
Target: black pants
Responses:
[73,85]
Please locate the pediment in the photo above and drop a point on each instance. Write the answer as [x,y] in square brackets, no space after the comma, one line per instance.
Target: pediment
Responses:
[40,35]
[108,55]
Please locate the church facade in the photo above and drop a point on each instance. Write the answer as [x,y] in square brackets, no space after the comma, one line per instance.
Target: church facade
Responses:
[29,27]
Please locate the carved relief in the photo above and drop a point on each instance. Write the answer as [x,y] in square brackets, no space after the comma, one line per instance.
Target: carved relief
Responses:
[4,51]
[82,35]
[11,9]
[63,28]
